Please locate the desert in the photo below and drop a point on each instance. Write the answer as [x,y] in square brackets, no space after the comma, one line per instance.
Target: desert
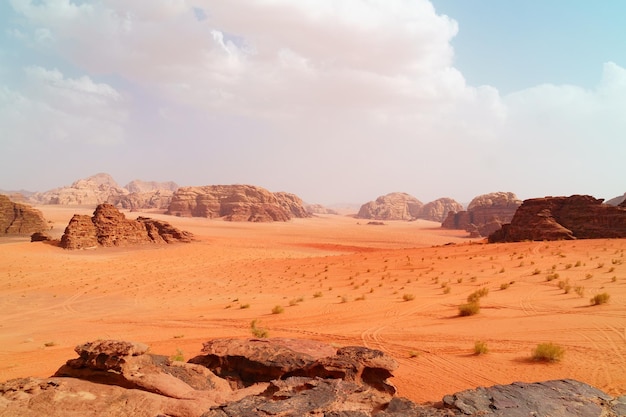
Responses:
[395,287]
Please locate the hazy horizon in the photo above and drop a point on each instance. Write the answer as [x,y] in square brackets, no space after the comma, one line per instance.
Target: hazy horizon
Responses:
[337,101]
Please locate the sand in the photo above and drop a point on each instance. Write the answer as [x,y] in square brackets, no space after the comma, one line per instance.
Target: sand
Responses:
[395,287]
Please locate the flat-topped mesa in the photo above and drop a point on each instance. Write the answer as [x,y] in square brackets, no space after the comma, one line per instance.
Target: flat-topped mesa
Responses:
[485,214]
[109,227]
[557,218]
[19,219]
[236,203]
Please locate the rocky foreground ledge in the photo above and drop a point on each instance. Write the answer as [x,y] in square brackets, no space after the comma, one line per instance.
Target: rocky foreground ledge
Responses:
[270,377]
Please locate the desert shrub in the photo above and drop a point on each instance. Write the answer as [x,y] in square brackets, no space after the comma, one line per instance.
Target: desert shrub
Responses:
[613,278]
[361,298]
[480,347]
[580,291]
[178,357]
[413,354]
[447,290]
[578,263]
[551,277]
[408,297]
[548,352]
[259,332]
[588,276]
[598,299]
[537,271]
[568,266]
[504,285]
[317,294]
[563,284]
[242,306]
[469,309]
[278,309]
[477,295]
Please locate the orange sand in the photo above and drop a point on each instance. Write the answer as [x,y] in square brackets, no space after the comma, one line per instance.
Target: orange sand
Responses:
[351,278]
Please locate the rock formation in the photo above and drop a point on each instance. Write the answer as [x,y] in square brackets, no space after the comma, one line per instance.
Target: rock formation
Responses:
[236,203]
[319,209]
[19,219]
[102,188]
[485,214]
[270,377]
[392,206]
[612,202]
[109,227]
[437,210]
[554,218]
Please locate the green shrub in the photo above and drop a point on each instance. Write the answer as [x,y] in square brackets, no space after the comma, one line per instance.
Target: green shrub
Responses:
[548,352]
[600,299]
[480,347]
[469,309]
[179,357]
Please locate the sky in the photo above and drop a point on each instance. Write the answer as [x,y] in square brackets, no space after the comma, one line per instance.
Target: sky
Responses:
[337,101]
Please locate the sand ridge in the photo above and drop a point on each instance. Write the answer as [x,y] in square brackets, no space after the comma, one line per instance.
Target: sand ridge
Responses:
[338,280]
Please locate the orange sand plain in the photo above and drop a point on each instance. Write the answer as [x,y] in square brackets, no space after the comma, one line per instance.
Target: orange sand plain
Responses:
[339,281]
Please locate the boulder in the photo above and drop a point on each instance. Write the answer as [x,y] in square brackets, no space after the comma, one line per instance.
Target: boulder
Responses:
[109,227]
[236,203]
[40,237]
[556,218]
[485,214]
[20,219]
[392,206]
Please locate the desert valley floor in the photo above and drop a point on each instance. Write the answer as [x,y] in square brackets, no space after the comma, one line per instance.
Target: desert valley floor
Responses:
[395,287]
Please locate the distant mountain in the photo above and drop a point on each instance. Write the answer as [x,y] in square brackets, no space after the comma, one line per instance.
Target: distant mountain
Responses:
[102,188]
[616,201]
[402,206]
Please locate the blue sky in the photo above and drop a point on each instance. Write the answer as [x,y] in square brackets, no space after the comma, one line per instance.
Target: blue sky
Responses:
[334,100]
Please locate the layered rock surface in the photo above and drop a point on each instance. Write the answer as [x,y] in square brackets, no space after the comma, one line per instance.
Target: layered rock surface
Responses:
[485,214]
[295,378]
[20,219]
[236,203]
[109,227]
[102,188]
[403,206]
[555,218]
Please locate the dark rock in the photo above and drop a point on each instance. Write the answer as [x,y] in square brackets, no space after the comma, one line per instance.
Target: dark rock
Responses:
[555,218]
[40,237]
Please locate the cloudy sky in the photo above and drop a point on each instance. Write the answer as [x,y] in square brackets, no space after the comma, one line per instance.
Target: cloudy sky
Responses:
[334,100]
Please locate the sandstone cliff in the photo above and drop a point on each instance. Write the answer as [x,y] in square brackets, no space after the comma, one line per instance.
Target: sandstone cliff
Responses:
[236,203]
[109,227]
[19,219]
[270,377]
[392,206]
[554,218]
[102,188]
[438,210]
[485,214]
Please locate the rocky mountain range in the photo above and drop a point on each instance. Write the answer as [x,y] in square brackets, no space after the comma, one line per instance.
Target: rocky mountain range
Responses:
[270,377]
[236,203]
[556,218]
[20,219]
[403,206]
[102,188]
[485,214]
[109,227]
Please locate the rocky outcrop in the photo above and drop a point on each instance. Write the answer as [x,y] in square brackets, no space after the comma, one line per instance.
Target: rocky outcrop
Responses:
[437,210]
[304,378]
[555,218]
[485,214]
[102,188]
[139,186]
[20,219]
[109,227]
[319,209]
[236,203]
[392,206]
[612,202]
